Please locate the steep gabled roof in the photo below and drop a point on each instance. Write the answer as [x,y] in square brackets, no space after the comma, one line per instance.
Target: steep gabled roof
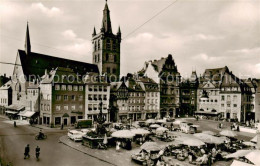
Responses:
[147,80]
[35,64]
[215,74]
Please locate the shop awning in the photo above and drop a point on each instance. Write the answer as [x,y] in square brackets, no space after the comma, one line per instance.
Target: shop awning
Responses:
[206,113]
[11,112]
[21,113]
[14,107]
[28,114]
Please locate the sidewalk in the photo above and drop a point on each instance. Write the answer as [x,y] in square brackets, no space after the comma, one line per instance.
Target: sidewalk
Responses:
[24,122]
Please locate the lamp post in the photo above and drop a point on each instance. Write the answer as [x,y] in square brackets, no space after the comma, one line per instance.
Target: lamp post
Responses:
[108,114]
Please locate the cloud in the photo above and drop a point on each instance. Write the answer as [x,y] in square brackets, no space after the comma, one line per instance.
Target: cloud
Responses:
[205,37]
[255,50]
[205,57]
[76,45]
[52,12]
[69,34]
[141,37]
[240,13]
[82,48]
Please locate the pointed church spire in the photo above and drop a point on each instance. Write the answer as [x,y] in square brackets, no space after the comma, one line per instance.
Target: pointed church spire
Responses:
[119,30]
[106,22]
[94,32]
[119,33]
[27,45]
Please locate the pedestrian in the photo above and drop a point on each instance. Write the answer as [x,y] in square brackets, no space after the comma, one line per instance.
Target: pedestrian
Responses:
[209,159]
[128,144]
[37,152]
[61,127]
[14,123]
[117,146]
[27,151]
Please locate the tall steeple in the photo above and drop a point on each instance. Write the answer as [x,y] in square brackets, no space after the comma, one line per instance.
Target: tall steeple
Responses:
[106,22]
[94,32]
[106,48]
[27,45]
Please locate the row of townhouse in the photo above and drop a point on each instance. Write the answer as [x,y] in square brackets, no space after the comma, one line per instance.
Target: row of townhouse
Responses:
[221,93]
[64,101]
[135,98]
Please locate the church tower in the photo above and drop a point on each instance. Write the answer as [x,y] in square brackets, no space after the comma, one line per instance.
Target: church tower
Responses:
[106,48]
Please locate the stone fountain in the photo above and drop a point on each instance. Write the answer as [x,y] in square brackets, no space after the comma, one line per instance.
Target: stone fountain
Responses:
[93,138]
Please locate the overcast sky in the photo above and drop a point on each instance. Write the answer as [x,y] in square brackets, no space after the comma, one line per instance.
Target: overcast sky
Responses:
[199,34]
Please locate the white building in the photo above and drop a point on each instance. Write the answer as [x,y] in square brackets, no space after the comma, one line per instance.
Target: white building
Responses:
[96,91]
[5,96]
[208,97]
[152,97]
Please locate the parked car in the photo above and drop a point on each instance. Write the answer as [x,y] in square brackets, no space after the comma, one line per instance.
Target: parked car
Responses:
[188,127]
[83,123]
[75,135]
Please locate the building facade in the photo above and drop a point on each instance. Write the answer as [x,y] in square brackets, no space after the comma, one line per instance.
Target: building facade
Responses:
[5,96]
[208,94]
[257,100]
[152,97]
[97,91]
[136,100]
[119,95]
[62,97]
[223,94]
[165,73]
[188,96]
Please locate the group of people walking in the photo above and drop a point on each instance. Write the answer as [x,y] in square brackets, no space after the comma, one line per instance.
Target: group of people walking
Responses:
[27,152]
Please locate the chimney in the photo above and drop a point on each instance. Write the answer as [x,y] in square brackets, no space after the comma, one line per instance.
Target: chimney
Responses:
[4,74]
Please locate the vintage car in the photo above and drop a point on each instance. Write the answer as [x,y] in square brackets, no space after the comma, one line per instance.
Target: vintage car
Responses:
[75,135]
[188,128]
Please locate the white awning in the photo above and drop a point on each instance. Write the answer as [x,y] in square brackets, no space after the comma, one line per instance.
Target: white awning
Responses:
[28,114]
[239,163]
[11,112]
[14,107]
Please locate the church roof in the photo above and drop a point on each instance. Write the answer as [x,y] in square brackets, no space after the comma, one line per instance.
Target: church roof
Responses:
[35,64]
[62,75]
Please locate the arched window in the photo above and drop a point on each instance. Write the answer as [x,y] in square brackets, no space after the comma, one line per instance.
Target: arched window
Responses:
[20,88]
[108,44]
[95,58]
[98,44]
[114,45]
[107,58]
[114,58]
[95,46]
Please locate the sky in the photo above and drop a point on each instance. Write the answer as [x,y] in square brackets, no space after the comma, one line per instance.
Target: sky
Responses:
[200,34]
